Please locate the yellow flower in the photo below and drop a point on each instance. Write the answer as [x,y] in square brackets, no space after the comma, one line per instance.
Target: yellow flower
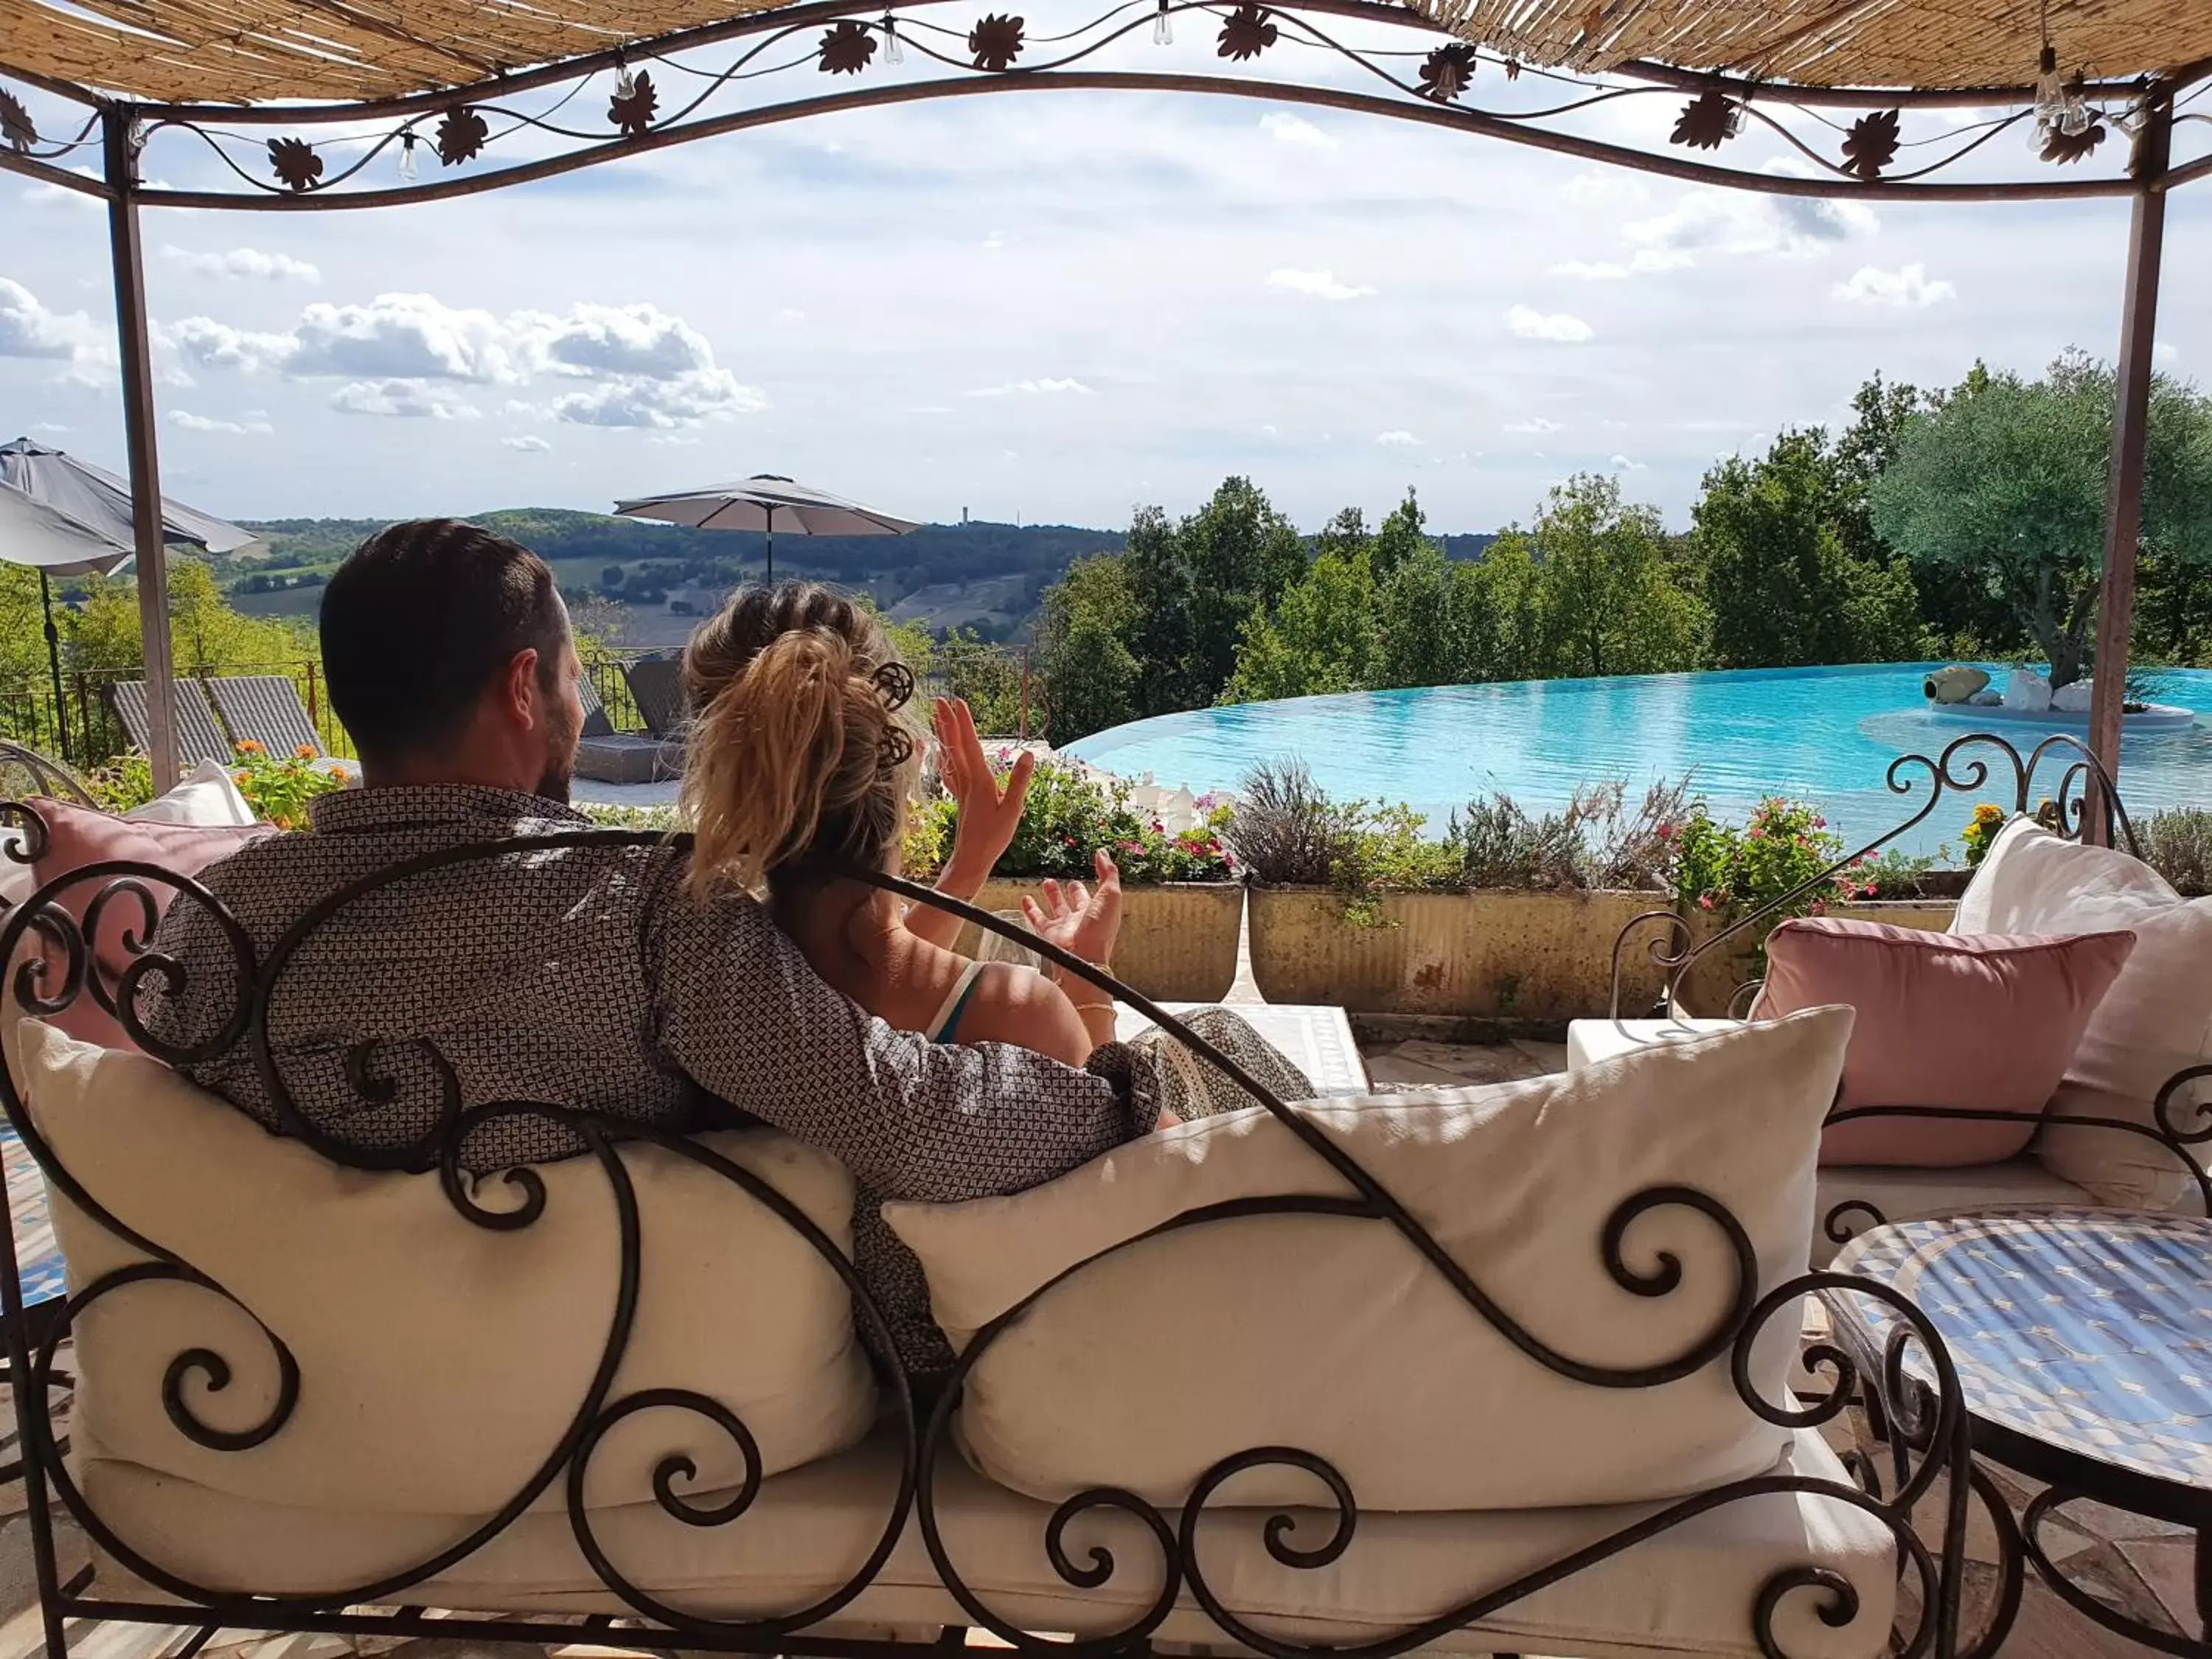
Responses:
[248,746]
[306,751]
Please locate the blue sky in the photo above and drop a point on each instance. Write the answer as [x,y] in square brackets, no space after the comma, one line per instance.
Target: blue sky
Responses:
[1047,308]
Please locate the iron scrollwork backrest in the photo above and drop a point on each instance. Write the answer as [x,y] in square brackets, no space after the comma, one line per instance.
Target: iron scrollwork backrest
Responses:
[254,975]
[1669,944]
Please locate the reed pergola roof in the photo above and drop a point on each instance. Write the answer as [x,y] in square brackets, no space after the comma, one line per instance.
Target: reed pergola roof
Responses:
[259,51]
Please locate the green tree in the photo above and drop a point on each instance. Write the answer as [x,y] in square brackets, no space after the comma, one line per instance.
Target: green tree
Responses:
[1238,555]
[1772,540]
[2006,479]
[205,634]
[1085,661]
[1320,637]
[1608,594]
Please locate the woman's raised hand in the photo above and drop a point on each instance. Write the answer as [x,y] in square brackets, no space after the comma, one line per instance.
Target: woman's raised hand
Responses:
[989,816]
[1085,922]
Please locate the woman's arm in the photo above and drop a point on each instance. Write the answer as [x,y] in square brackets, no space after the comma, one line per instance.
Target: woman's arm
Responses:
[1015,1004]
[989,818]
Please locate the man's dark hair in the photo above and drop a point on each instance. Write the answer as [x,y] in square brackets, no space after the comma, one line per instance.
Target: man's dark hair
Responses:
[416,623]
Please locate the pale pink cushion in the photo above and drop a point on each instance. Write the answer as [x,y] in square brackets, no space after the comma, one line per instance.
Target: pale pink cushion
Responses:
[1986,1023]
[79,835]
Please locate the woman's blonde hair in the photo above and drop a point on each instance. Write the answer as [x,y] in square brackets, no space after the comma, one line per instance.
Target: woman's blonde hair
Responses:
[798,751]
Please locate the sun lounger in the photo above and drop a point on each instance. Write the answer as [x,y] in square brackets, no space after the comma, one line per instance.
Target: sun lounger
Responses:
[657,685]
[198,738]
[266,709]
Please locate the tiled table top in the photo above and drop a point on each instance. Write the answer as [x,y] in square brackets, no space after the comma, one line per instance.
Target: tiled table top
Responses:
[38,1259]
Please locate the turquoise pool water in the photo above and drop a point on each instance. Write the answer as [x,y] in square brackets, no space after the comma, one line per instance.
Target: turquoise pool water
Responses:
[1823,734]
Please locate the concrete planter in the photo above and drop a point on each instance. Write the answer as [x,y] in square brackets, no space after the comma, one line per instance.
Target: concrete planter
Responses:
[1507,955]
[1178,940]
[1707,988]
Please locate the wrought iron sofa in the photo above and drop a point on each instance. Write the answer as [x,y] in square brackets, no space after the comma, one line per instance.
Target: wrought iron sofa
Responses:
[1855,1199]
[898,1545]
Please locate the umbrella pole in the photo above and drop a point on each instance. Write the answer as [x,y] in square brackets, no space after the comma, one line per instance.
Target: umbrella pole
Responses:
[54,663]
[119,141]
[771,546]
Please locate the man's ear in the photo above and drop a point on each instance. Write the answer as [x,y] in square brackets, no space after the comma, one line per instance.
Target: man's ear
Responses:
[521,695]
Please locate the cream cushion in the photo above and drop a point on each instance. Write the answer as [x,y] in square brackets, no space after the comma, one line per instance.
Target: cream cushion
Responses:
[1689,1590]
[1589,1041]
[440,1362]
[2156,1020]
[1334,1335]
[204,796]
[1903,1194]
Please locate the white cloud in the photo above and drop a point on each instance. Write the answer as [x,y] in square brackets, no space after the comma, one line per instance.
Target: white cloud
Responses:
[1529,324]
[1622,464]
[1533,423]
[791,314]
[256,423]
[243,264]
[1712,220]
[1314,284]
[1644,262]
[701,395]
[1400,439]
[2165,351]
[650,368]
[1907,286]
[1287,128]
[994,241]
[528,444]
[401,398]
[43,195]
[29,329]
[1605,187]
[1032,388]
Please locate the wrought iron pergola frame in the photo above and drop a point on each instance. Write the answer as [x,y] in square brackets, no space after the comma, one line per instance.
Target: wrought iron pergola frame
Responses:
[455,125]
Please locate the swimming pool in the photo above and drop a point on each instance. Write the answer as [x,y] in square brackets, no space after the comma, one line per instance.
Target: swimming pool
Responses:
[1822,734]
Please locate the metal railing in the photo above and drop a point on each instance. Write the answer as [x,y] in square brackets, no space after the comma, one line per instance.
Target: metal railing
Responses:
[82,727]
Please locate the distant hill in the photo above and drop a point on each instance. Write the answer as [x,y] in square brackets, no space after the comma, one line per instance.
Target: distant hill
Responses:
[988,577]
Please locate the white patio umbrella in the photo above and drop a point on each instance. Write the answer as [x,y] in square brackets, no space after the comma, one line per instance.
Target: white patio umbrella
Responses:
[767,501]
[64,517]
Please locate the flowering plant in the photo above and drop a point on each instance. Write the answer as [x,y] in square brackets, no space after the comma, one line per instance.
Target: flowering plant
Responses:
[1784,845]
[1981,832]
[279,791]
[1066,818]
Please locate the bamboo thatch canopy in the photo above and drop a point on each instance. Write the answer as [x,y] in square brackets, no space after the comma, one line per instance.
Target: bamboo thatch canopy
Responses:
[256,51]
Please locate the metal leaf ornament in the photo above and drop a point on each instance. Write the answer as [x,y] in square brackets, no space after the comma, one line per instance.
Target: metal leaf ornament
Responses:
[461,137]
[1246,33]
[2063,147]
[1871,144]
[996,41]
[16,127]
[633,110]
[1706,122]
[848,49]
[1446,72]
[295,163]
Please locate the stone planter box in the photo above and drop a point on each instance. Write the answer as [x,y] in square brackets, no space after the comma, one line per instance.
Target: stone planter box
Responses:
[1178,940]
[1707,988]
[1502,954]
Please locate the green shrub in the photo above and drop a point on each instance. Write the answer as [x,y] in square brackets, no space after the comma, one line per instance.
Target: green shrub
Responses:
[659,819]
[1068,817]
[2176,843]
[1593,842]
[1784,847]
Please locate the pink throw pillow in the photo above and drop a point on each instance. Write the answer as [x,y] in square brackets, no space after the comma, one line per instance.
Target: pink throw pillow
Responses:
[79,835]
[1986,1023]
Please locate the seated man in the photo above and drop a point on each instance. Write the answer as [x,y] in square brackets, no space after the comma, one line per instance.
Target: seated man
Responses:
[584,977]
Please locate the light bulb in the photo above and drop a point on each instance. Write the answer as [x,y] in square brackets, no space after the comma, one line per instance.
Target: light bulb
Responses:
[1163,27]
[1734,123]
[407,157]
[2073,111]
[2048,89]
[893,52]
[625,83]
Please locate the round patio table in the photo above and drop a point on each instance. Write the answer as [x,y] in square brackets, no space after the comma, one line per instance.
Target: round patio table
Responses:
[39,1270]
[2083,1343]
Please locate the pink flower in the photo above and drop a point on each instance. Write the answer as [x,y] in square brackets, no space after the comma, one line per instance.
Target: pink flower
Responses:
[1819,909]
[1754,833]
[1870,891]
[1704,901]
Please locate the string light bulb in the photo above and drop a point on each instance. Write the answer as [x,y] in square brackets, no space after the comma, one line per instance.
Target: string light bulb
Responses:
[893,52]
[407,156]
[1163,27]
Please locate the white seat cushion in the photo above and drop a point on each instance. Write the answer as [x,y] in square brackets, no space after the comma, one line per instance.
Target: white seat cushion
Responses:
[440,1362]
[1689,1590]
[1146,1368]
[1589,1041]
[1902,1194]
[2155,1021]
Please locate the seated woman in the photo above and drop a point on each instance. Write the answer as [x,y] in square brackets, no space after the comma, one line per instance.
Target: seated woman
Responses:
[799,761]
